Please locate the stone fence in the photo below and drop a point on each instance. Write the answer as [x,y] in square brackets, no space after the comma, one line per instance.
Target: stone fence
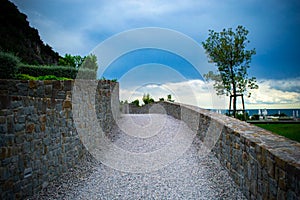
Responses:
[262,164]
[38,137]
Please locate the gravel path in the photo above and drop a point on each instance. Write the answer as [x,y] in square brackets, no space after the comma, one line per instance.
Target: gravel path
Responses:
[185,175]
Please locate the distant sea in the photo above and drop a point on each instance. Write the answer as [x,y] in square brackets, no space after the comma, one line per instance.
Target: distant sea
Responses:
[289,112]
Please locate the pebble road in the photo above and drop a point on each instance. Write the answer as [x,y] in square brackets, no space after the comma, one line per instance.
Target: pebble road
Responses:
[182,175]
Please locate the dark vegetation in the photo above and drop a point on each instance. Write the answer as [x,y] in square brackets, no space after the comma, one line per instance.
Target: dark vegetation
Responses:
[23,55]
[12,68]
[47,77]
[136,102]
[63,71]
[8,65]
[147,99]
[18,38]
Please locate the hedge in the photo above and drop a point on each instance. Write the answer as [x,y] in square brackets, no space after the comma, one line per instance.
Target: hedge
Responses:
[58,71]
[47,77]
[8,65]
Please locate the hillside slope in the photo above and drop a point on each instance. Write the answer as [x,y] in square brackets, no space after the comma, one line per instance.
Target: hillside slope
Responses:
[18,37]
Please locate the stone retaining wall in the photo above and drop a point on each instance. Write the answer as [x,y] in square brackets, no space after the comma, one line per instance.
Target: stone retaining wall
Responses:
[262,164]
[38,137]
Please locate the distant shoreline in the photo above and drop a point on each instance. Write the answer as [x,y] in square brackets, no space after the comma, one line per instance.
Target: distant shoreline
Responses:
[290,112]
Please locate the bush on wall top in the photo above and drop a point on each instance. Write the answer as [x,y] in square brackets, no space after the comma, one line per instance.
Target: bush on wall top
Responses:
[47,77]
[12,68]
[8,65]
[59,71]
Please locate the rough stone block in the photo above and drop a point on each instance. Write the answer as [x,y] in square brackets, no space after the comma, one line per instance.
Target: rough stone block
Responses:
[4,173]
[19,127]
[272,188]
[57,85]
[30,128]
[3,128]
[48,91]
[67,104]
[32,84]
[270,167]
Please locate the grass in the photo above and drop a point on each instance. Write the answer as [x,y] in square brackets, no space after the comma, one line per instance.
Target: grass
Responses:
[47,77]
[291,131]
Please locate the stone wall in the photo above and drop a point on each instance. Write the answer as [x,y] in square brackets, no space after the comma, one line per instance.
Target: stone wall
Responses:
[262,164]
[38,136]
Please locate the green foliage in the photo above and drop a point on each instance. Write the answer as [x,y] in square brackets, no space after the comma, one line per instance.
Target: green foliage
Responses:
[18,37]
[87,74]
[8,65]
[136,102]
[124,102]
[59,71]
[73,61]
[90,62]
[169,98]
[161,99]
[112,80]
[242,117]
[255,117]
[52,77]
[89,67]
[47,77]
[227,50]
[26,77]
[147,99]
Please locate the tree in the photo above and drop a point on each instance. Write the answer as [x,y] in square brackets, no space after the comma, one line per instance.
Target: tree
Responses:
[89,67]
[136,102]
[169,98]
[90,62]
[227,50]
[147,99]
[73,61]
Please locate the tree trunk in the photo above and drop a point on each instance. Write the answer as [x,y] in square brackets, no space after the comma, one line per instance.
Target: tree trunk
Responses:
[234,102]
[234,90]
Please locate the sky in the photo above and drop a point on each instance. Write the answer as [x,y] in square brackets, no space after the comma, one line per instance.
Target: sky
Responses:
[79,27]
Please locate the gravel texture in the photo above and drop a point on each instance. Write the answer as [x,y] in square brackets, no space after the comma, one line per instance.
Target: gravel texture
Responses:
[190,176]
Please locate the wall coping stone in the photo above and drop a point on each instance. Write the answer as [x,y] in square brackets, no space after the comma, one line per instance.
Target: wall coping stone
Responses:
[263,164]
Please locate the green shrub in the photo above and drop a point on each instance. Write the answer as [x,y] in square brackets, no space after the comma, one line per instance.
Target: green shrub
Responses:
[147,99]
[58,71]
[136,102]
[90,62]
[8,65]
[104,79]
[169,98]
[25,77]
[242,117]
[47,77]
[87,74]
[255,117]
[52,77]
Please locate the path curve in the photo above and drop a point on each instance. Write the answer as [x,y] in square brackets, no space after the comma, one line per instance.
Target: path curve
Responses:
[190,176]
